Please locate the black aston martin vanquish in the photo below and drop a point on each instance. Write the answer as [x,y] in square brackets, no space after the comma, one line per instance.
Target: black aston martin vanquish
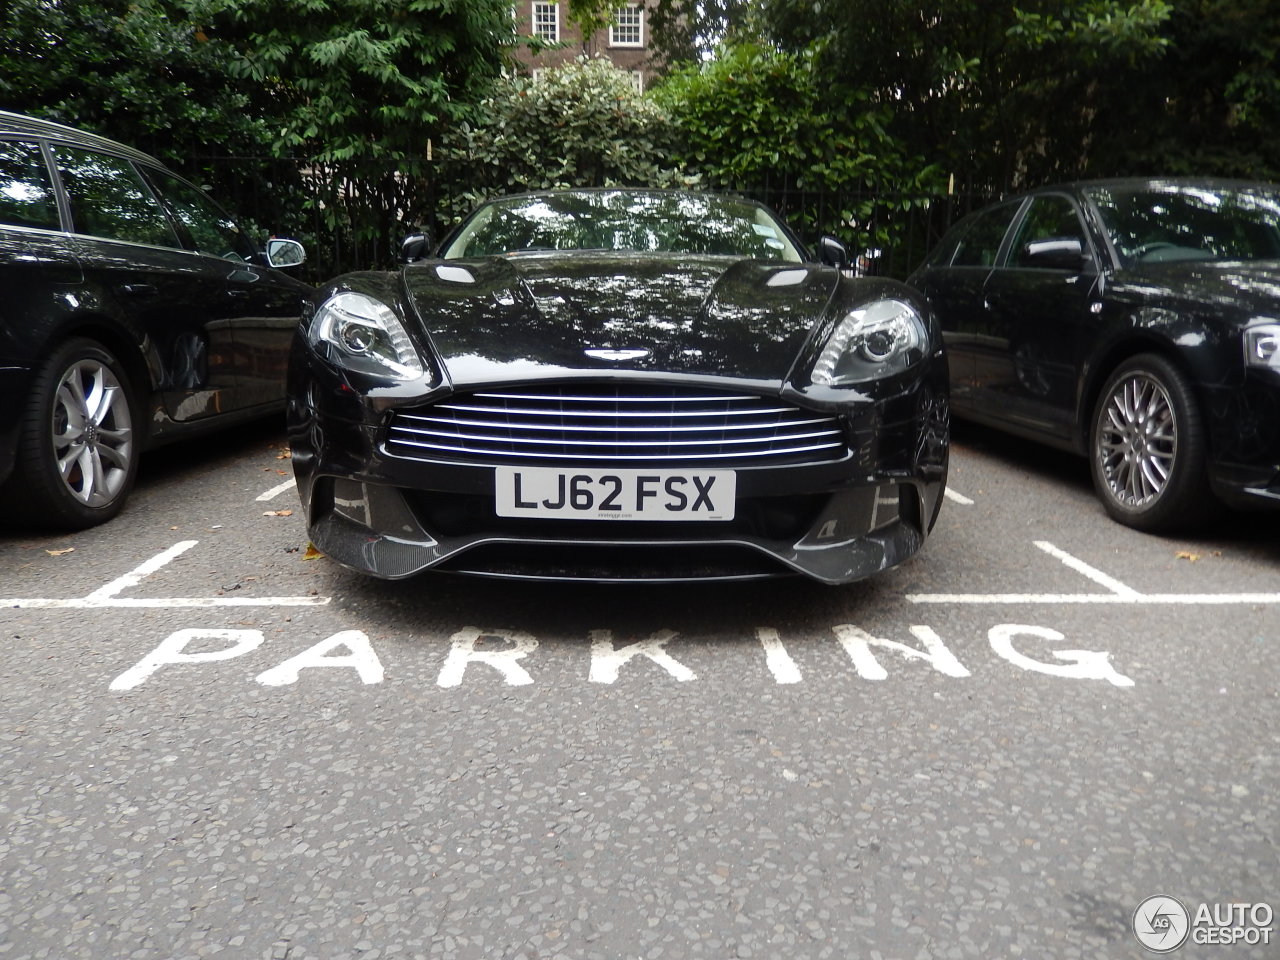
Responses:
[619,385]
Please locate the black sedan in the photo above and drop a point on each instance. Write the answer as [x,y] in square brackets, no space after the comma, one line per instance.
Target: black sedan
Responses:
[619,385]
[1134,321]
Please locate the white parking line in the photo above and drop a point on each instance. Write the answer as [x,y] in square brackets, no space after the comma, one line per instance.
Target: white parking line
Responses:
[47,603]
[958,497]
[106,596]
[1079,566]
[135,576]
[1119,592]
[276,491]
[1144,599]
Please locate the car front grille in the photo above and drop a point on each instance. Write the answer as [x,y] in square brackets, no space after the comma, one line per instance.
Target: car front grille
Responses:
[609,424]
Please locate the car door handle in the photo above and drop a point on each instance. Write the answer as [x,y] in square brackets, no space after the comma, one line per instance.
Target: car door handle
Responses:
[240,292]
[139,289]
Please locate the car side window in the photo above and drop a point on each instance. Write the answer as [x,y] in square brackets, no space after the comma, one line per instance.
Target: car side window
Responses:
[981,242]
[109,199]
[26,190]
[210,229]
[1051,217]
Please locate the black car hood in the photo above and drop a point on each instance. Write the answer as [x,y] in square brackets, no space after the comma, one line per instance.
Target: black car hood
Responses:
[1236,291]
[535,315]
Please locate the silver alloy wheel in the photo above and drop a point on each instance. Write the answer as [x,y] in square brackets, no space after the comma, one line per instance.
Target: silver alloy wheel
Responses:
[1137,441]
[92,433]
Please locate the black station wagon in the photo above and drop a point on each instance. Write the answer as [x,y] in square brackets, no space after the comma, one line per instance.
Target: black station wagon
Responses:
[135,311]
[1135,321]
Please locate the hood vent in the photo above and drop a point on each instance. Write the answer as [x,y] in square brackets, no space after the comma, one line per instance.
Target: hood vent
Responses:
[603,424]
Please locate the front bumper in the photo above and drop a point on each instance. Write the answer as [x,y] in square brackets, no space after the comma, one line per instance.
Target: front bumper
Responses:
[1244,424]
[834,521]
[383,530]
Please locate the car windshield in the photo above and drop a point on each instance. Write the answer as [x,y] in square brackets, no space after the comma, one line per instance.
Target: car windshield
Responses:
[623,220]
[1174,222]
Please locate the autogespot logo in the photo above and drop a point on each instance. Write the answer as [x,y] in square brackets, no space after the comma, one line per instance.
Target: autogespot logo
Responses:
[1161,924]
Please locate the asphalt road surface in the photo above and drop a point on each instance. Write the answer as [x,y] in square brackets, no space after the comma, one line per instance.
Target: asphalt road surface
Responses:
[216,745]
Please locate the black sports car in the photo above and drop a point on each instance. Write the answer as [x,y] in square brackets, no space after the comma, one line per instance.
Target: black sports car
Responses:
[1135,321]
[619,385]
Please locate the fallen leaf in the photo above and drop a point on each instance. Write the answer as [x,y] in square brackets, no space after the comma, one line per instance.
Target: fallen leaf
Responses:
[58,553]
[1188,555]
[312,553]
[278,513]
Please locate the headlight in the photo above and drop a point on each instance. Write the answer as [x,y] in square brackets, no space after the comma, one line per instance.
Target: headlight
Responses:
[875,340]
[1262,345]
[365,335]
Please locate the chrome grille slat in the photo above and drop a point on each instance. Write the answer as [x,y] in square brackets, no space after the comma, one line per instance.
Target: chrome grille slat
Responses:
[603,398]
[591,423]
[529,441]
[641,458]
[566,428]
[527,412]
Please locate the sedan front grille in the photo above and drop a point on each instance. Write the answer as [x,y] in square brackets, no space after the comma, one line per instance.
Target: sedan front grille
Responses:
[614,424]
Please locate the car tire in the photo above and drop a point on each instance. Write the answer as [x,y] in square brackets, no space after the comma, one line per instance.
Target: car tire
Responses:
[1148,447]
[78,450]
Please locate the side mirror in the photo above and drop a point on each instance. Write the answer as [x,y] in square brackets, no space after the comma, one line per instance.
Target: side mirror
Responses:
[415,247]
[1059,253]
[285,253]
[833,253]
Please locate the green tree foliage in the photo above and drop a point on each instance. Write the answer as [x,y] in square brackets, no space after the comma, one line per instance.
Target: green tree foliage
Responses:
[144,72]
[138,71]
[684,31]
[581,124]
[1212,107]
[763,122]
[1003,93]
[361,91]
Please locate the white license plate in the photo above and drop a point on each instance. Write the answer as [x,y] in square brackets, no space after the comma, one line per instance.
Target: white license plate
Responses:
[615,494]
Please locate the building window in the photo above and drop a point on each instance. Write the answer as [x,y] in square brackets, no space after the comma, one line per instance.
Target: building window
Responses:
[627,29]
[637,77]
[546,21]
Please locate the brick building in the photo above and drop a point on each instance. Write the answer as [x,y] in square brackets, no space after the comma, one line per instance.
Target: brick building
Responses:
[625,41]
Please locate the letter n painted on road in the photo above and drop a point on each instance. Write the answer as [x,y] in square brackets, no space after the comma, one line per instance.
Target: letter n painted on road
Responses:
[360,657]
[171,651]
[463,651]
[858,643]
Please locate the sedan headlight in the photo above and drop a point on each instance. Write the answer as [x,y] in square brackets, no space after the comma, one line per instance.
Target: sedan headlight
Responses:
[1262,345]
[875,340]
[366,336]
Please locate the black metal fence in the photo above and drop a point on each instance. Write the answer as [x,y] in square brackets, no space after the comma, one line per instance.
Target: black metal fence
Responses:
[895,230]
[281,197]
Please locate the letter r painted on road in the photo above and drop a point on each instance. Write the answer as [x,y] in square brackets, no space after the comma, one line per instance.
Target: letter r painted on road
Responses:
[463,651]
[172,651]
